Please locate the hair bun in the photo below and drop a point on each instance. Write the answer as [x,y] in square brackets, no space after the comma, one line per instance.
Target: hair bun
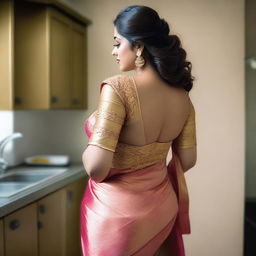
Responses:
[164,27]
[142,25]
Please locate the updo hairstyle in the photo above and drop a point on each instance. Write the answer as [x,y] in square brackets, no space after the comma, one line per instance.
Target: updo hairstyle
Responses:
[142,25]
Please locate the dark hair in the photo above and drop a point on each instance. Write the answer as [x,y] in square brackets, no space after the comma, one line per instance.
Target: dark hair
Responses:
[142,24]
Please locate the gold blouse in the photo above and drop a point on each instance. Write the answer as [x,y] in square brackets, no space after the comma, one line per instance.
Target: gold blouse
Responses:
[119,107]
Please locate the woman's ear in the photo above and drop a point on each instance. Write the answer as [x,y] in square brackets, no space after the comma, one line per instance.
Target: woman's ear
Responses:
[139,48]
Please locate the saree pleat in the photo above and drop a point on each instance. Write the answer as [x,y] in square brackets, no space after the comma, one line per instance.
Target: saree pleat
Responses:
[133,213]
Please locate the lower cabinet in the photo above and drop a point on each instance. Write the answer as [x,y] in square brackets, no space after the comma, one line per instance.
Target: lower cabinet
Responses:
[1,237]
[48,227]
[20,232]
[52,224]
[74,193]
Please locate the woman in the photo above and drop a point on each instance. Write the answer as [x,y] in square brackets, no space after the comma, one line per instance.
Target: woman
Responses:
[134,204]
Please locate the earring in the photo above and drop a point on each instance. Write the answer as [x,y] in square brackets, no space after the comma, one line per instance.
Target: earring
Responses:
[139,61]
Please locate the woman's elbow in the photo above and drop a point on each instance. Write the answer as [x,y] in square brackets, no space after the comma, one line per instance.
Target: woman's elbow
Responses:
[96,175]
[97,172]
[188,165]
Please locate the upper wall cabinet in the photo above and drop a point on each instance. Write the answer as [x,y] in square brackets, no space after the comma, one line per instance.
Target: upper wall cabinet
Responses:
[49,52]
[48,57]
[6,59]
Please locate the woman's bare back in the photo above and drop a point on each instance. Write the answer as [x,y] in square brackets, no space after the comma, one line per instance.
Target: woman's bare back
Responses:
[163,111]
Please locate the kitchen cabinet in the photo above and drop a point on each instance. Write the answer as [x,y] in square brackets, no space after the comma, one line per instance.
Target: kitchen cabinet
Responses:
[79,67]
[50,59]
[1,237]
[74,193]
[20,232]
[43,60]
[6,60]
[49,226]
[58,221]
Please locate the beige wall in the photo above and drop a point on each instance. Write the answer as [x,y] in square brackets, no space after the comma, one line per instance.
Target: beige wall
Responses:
[212,32]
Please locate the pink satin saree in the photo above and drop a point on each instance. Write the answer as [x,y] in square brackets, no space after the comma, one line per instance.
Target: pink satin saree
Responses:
[133,212]
[143,203]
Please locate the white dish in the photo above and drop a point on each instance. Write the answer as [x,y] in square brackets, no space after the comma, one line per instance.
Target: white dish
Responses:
[56,160]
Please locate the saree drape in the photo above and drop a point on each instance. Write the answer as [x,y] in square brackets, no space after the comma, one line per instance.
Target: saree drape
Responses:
[142,202]
[135,212]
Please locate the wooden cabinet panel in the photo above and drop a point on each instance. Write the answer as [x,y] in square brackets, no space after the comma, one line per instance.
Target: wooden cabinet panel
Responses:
[1,237]
[78,83]
[49,57]
[60,60]
[20,232]
[6,59]
[49,227]
[52,224]
[30,57]
[42,62]
[74,194]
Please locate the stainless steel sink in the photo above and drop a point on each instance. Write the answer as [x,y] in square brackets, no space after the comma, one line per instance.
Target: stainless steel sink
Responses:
[17,181]
[9,188]
[23,178]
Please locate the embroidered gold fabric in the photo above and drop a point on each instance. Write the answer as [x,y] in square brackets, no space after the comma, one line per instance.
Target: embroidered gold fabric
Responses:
[187,137]
[119,106]
[110,117]
[137,157]
[125,89]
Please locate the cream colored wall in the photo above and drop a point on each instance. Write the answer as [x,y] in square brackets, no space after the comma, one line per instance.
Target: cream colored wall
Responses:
[213,35]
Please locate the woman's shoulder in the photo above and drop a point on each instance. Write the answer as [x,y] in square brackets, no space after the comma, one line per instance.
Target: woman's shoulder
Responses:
[122,85]
[118,80]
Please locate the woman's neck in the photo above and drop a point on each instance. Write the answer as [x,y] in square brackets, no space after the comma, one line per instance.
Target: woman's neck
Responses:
[147,73]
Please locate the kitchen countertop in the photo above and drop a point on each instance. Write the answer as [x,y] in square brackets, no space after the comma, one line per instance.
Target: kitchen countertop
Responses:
[10,204]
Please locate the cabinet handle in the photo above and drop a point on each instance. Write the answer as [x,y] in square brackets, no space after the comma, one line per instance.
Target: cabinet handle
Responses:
[39,224]
[42,208]
[75,101]
[17,101]
[70,196]
[54,99]
[14,224]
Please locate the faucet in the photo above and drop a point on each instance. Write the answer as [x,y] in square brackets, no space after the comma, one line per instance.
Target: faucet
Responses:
[3,162]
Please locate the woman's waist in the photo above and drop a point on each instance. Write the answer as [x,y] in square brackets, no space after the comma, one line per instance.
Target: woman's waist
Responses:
[143,189]
[135,180]
[137,157]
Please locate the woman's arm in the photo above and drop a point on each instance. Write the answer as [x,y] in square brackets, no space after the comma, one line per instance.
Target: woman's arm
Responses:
[187,156]
[185,144]
[97,162]
[97,157]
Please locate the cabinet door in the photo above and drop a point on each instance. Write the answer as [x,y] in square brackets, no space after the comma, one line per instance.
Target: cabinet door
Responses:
[20,232]
[30,57]
[78,55]
[74,193]
[60,60]
[51,224]
[6,59]
[1,237]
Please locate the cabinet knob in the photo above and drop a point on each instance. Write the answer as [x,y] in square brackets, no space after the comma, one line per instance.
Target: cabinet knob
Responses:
[54,99]
[75,101]
[39,224]
[70,196]
[18,100]
[14,224]
[42,208]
